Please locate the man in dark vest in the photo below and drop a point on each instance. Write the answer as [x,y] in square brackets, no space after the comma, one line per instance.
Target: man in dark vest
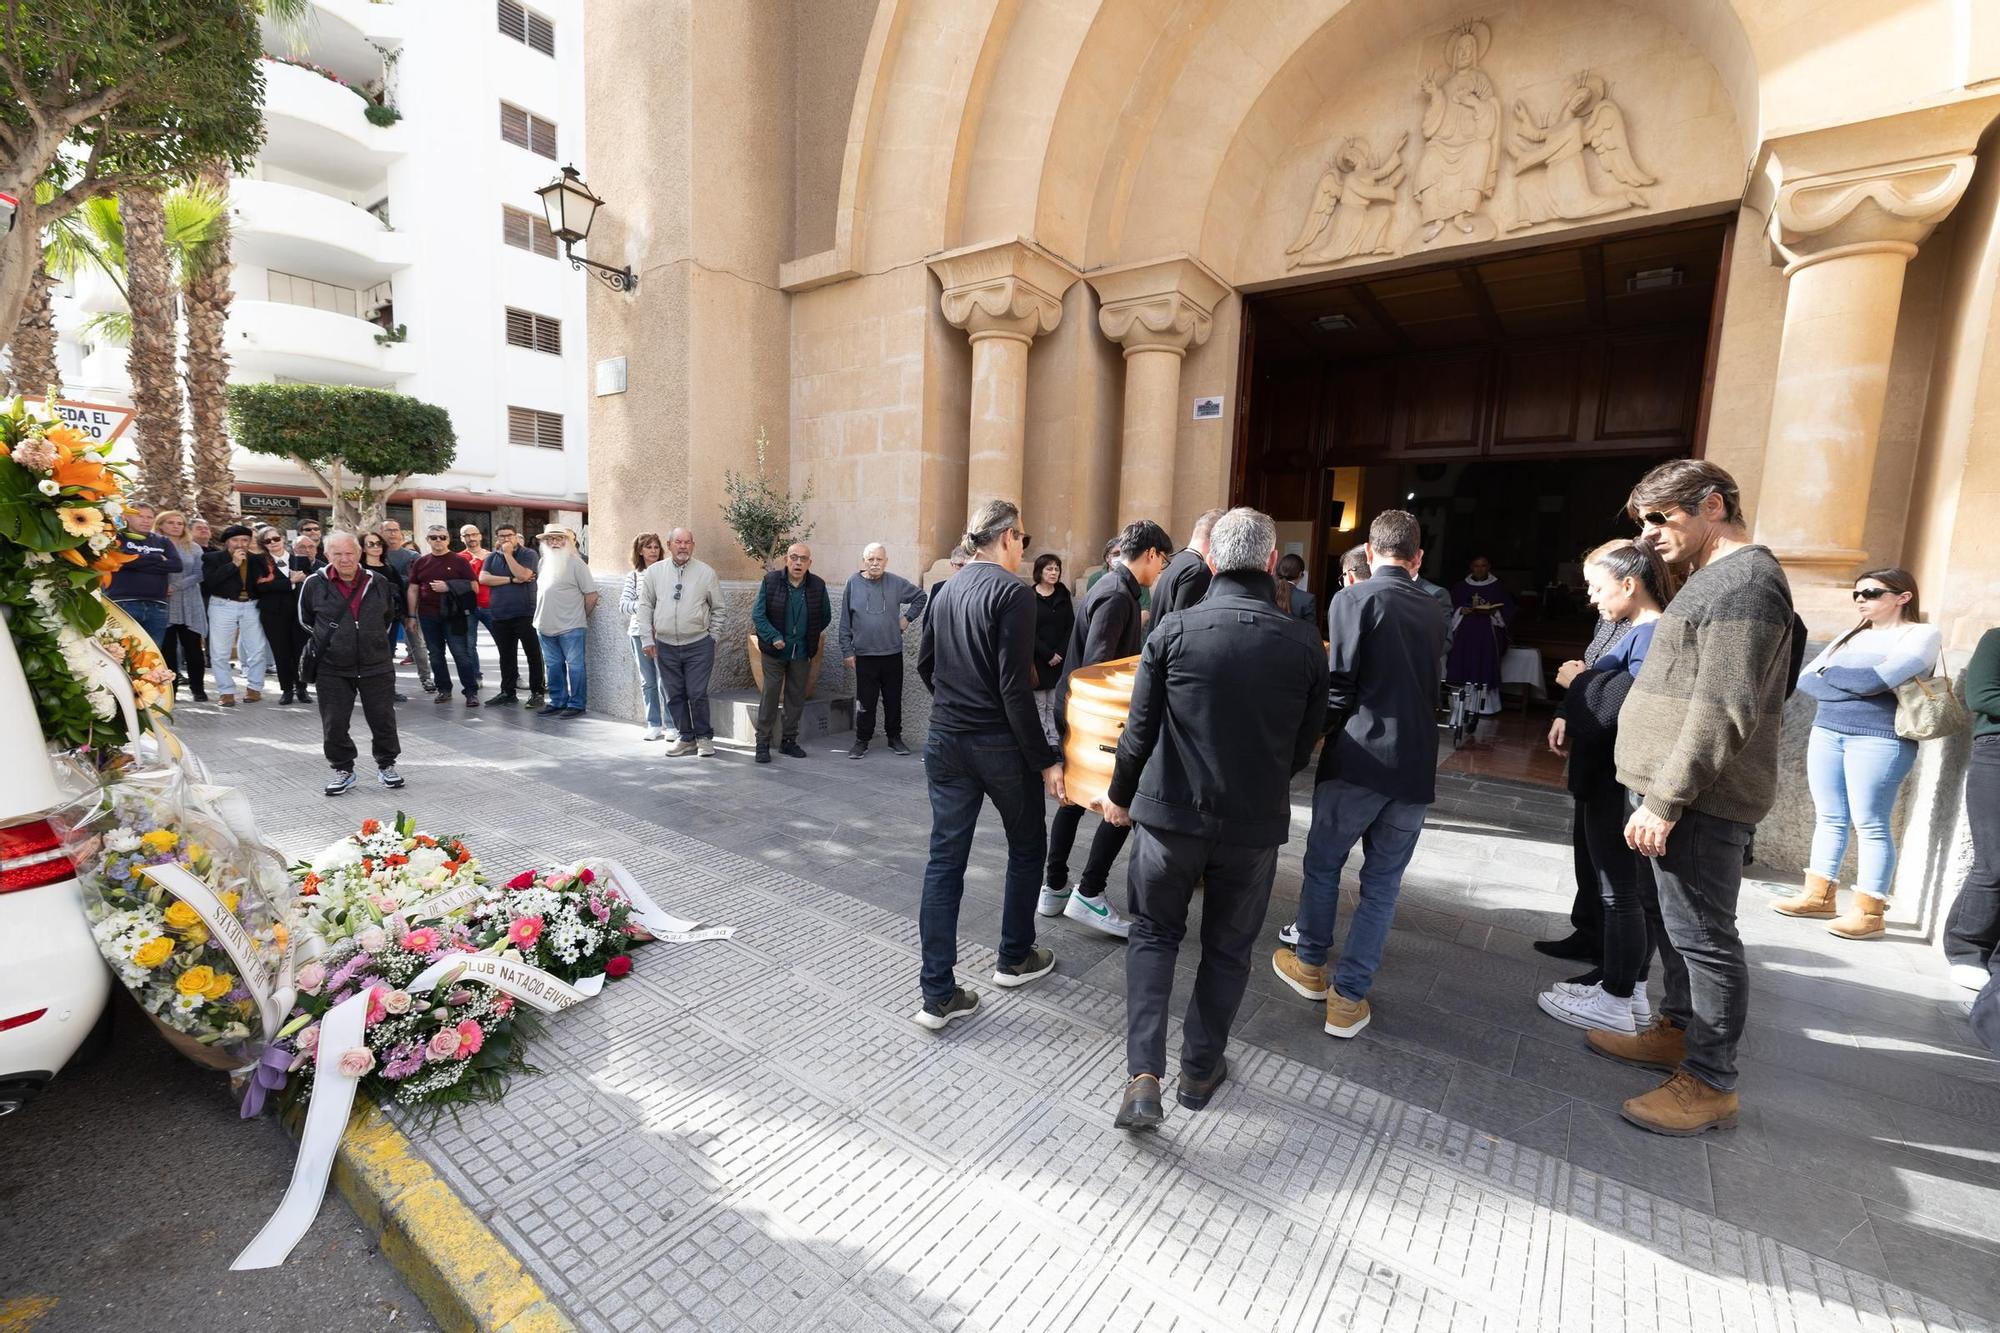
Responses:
[791,611]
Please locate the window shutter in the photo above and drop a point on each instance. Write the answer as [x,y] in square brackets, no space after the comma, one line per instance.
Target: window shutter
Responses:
[520,328]
[549,430]
[513,21]
[514,125]
[515,228]
[541,34]
[538,430]
[548,335]
[520,426]
[544,239]
[542,137]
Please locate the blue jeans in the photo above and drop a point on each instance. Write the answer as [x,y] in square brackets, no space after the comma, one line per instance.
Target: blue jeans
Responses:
[1854,780]
[962,772]
[152,617]
[1387,830]
[649,681]
[437,639]
[481,617]
[569,675]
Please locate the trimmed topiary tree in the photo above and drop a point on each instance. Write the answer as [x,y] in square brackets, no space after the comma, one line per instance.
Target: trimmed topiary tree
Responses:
[358,444]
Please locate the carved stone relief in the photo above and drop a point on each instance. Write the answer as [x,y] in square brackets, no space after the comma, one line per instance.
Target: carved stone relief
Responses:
[1355,205]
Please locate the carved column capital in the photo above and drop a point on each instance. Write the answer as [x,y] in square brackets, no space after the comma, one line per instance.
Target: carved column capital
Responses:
[1165,305]
[1880,209]
[1012,289]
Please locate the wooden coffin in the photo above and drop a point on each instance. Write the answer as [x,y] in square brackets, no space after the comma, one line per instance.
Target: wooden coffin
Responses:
[1098,700]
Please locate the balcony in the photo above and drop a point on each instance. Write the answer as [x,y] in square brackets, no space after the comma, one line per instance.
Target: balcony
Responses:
[317,128]
[347,36]
[300,342]
[297,230]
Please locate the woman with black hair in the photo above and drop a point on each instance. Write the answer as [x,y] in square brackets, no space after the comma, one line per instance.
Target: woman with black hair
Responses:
[1055,615]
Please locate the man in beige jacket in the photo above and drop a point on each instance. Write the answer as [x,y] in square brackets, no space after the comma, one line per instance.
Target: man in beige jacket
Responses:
[681,600]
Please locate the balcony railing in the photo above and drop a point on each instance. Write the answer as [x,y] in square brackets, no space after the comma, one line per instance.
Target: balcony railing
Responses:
[298,230]
[270,337]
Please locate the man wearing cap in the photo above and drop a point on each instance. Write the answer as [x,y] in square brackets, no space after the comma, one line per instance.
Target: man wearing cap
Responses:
[230,577]
[565,595]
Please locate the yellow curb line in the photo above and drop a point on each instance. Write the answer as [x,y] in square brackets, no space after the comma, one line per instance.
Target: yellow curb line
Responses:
[464,1274]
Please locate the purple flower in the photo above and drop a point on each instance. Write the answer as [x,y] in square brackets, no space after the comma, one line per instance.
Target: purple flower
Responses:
[348,970]
[404,1061]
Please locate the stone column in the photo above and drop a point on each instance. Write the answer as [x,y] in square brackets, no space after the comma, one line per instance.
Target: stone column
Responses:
[1844,239]
[1157,310]
[1003,296]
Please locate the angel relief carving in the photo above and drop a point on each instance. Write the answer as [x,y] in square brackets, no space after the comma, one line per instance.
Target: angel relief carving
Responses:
[1353,206]
[1551,178]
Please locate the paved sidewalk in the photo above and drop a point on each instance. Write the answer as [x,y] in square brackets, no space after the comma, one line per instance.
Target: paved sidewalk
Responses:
[752,1134]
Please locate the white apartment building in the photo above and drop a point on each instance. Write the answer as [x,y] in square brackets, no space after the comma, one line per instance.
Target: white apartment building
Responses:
[346,231]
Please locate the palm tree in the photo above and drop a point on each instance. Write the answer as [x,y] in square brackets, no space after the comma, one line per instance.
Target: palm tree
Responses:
[31,352]
[206,264]
[153,356]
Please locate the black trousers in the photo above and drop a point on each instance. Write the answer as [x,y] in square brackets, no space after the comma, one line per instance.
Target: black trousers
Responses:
[878,677]
[1586,915]
[184,645]
[280,618]
[1972,930]
[336,710]
[519,631]
[1105,845]
[784,697]
[1164,871]
[1625,940]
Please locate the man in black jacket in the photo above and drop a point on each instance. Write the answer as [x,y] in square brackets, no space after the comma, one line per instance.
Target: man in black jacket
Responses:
[976,657]
[1108,627]
[791,611]
[1185,579]
[347,612]
[1378,774]
[1230,700]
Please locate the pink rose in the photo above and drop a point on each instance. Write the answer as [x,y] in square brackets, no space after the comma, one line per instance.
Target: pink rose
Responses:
[423,940]
[470,1039]
[373,940]
[523,933]
[598,909]
[357,1062]
[444,1044]
[382,902]
[503,1005]
[310,978]
[309,1039]
[397,1002]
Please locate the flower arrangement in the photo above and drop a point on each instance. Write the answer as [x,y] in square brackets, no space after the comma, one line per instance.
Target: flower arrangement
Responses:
[573,923]
[159,946]
[59,512]
[449,1045]
[380,871]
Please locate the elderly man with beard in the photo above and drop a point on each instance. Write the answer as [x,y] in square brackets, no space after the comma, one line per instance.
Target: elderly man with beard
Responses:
[565,595]
[346,612]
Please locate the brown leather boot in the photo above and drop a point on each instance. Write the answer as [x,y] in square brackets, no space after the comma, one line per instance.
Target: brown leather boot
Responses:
[1661,1046]
[1683,1106]
[1863,919]
[1816,899]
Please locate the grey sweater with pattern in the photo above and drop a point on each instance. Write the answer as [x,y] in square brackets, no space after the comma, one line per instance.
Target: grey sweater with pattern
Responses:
[1699,729]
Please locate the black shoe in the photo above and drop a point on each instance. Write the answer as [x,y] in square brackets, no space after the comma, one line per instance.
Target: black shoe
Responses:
[936,1014]
[1576,946]
[402,698]
[763,754]
[1141,1109]
[571,712]
[1194,1093]
[896,746]
[537,701]
[201,696]
[1039,963]
[548,710]
[443,697]
[502,698]
[285,698]
[856,750]
[342,779]
[472,701]
[792,748]
[301,695]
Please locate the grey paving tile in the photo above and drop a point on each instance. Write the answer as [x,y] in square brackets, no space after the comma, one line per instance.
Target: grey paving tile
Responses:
[1600,1141]
[1938,1261]
[1782,1204]
[1497,1103]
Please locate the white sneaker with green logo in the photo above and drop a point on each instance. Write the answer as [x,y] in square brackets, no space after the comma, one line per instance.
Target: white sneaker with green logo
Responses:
[1098,914]
[1052,901]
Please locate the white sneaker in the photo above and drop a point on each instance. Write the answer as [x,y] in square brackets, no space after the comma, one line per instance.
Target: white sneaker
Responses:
[1098,914]
[1289,935]
[654,733]
[705,747]
[1591,1009]
[1969,976]
[1052,901]
[679,748]
[1642,1006]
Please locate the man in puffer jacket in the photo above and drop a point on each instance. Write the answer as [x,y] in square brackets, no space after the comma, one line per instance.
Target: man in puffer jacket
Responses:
[348,613]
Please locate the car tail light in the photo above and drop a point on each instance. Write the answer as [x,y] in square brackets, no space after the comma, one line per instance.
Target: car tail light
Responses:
[21,1020]
[32,855]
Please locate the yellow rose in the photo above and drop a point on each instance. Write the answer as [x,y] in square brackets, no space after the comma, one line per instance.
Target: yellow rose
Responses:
[181,917]
[195,935]
[230,899]
[161,840]
[154,952]
[221,986]
[195,981]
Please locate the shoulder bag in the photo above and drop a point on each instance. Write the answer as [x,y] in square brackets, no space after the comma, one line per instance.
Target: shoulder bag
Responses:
[1929,709]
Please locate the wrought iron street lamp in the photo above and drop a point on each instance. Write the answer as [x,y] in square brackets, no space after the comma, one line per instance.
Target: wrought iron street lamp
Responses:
[570,207]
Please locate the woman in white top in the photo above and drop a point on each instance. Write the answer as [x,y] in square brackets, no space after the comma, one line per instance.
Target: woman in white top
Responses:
[647,550]
[1855,761]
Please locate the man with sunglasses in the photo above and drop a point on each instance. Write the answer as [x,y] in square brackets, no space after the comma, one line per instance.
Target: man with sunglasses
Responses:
[508,574]
[1698,753]
[441,593]
[680,598]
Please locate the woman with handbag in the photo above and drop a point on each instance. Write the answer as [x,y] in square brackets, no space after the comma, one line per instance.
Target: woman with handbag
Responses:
[1857,756]
[1055,615]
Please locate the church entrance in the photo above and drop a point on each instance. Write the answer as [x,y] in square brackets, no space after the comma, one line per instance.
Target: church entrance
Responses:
[1509,402]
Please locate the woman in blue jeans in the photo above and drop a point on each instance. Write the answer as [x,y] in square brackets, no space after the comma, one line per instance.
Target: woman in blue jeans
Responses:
[646,550]
[1855,761]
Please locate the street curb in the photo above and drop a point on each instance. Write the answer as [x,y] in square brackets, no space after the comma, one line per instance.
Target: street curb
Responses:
[465,1275]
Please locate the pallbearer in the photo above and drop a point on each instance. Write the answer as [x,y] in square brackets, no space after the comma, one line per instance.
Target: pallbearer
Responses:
[1230,698]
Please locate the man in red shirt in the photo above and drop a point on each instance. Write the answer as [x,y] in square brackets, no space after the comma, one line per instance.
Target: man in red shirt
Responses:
[443,598]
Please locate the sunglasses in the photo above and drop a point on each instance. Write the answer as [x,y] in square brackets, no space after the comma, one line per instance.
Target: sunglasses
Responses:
[274,541]
[1026,540]
[439,537]
[1869,594]
[1654,518]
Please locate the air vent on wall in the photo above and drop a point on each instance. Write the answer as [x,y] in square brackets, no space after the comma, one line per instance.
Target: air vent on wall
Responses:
[1656,279]
[1333,323]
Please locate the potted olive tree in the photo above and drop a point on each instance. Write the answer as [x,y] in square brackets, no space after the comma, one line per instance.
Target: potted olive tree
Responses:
[765,521]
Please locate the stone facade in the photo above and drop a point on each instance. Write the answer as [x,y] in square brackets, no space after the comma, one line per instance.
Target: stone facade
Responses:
[1027,254]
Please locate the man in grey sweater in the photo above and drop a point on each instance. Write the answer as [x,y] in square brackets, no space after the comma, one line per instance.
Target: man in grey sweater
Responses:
[1698,753]
[875,611]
